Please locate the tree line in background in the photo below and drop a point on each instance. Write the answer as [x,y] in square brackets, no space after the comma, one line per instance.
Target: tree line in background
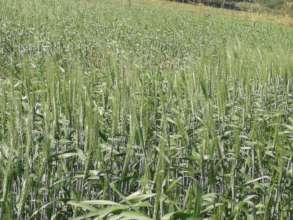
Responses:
[246,5]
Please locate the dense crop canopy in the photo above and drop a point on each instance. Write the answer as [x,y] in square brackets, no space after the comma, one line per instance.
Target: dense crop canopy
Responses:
[116,112]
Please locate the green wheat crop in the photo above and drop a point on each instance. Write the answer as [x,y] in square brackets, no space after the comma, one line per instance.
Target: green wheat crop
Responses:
[115,112]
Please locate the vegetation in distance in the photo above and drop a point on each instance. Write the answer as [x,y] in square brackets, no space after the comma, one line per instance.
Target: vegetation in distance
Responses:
[111,110]
[271,6]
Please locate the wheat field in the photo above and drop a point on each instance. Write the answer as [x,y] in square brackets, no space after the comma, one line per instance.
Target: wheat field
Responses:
[111,110]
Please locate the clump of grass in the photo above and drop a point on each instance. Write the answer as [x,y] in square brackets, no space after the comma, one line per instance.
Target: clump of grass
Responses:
[111,112]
